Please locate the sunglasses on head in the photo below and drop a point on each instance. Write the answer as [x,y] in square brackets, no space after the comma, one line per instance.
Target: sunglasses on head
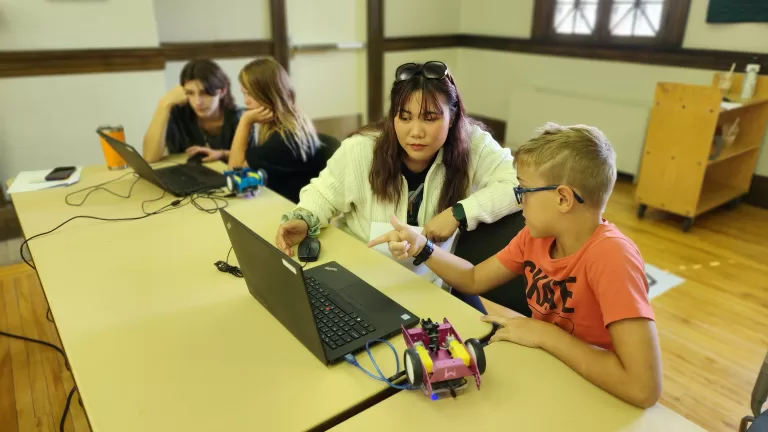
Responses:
[429,70]
[519,191]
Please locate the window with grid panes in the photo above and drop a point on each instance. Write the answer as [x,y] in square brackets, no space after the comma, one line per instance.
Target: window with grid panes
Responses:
[612,21]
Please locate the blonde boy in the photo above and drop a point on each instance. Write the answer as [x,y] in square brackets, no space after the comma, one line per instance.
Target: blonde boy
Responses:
[583,275]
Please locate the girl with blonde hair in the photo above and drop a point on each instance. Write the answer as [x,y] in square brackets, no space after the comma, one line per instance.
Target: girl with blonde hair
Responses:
[287,145]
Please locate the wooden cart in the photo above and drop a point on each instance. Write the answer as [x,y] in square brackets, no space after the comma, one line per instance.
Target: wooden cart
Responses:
[677,174]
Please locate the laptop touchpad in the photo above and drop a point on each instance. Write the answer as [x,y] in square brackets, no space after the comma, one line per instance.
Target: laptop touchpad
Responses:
[364,297]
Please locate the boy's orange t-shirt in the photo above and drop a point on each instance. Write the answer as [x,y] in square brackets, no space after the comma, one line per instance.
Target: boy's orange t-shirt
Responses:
[582,293]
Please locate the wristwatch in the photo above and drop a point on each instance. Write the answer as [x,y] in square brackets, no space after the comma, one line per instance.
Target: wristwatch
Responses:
[425,253]
[460,216]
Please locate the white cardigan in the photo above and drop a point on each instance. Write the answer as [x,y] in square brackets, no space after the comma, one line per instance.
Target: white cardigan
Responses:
[342,188]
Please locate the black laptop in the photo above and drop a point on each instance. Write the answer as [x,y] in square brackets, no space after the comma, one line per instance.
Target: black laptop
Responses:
[327,308]
[180,180]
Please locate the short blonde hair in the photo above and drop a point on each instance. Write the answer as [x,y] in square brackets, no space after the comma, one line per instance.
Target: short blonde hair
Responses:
[578,156]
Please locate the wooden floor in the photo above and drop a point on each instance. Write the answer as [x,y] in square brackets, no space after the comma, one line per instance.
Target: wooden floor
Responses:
[713,328]
[34,381]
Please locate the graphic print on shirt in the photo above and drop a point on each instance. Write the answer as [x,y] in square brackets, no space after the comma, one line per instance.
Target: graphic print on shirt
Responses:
[550,300]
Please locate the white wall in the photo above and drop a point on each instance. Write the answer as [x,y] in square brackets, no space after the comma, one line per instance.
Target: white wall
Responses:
[53,119]
[207,21]
[421,17]
[527,90]
[46,24]
[330,83]
[326,21]
[505,18]
[46,121]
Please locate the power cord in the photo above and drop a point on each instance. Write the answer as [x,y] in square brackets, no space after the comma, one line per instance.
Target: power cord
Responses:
[226,267]
[174,204]
[349,358]
[214,197]
[66,408]
[92,189]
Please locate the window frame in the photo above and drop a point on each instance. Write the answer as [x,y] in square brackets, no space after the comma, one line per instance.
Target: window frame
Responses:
[674,18]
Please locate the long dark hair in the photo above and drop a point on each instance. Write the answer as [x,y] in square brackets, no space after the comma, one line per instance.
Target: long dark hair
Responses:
[213,78]
[385,177]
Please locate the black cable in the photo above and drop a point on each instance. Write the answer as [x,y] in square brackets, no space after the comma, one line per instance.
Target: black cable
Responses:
[66,409]
[92,189]
[214,197]
[66,363]
[174,204]
[41,342]
[226,267]
[48,315]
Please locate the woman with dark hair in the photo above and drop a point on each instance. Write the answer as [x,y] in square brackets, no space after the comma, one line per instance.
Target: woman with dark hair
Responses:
[427,162]
[197,116]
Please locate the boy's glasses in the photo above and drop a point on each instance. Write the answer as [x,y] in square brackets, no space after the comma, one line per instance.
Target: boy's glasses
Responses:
[430,70]
[519,191]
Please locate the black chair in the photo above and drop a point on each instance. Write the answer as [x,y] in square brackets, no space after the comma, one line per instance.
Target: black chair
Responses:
[759,396]
[330,145]
[485,241]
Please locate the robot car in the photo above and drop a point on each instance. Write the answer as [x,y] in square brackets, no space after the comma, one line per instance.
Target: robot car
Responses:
[437,361]
[245,182]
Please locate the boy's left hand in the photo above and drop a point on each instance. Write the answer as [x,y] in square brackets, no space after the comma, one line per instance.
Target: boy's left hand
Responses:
[520,330]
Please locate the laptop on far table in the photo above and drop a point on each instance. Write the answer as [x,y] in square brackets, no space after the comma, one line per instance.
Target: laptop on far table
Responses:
[180,180]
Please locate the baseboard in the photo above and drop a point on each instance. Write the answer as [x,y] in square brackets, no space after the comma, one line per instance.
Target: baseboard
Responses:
[624,176]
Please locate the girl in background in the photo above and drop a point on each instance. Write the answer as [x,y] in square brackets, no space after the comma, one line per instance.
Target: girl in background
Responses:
[287,145]
[197,116]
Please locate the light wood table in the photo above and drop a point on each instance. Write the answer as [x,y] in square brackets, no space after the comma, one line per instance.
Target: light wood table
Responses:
[522,389]
[160,340]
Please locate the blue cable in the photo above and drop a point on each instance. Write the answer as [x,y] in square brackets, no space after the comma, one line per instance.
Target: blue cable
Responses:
[351,360]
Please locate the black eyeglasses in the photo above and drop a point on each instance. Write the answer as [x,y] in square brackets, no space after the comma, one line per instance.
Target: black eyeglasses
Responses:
[430,70]
[519,191]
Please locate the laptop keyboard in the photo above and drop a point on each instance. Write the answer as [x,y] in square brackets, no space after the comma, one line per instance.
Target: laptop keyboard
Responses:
[337,326]
[180,179]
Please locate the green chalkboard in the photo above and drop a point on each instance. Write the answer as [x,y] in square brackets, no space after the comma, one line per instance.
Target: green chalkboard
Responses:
[737,11]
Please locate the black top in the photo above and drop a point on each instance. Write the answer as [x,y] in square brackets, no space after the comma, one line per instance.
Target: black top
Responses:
[184,132]
[286,172]
[415,180]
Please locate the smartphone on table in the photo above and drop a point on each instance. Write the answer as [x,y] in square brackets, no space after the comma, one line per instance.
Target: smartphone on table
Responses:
[60,173]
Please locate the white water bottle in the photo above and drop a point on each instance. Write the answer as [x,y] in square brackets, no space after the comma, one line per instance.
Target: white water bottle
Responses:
[750,80]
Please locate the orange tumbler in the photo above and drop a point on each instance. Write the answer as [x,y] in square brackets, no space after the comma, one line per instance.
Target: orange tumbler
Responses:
[114,160]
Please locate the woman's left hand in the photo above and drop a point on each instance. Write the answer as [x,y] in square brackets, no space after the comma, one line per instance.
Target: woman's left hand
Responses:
[210,154]
[441,227]
[259,115]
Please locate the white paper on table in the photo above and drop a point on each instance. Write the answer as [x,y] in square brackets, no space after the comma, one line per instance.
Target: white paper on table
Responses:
[379,228]
[28,181]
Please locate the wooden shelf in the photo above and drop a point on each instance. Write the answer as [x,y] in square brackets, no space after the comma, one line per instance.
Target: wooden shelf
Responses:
[731,152]
[715,194]
[744,103]
[676,174]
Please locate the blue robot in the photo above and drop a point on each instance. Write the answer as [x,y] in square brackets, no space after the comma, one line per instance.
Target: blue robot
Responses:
[245,182]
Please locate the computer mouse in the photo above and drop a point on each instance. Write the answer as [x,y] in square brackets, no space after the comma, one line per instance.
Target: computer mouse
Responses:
[196,158]
[309,250]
